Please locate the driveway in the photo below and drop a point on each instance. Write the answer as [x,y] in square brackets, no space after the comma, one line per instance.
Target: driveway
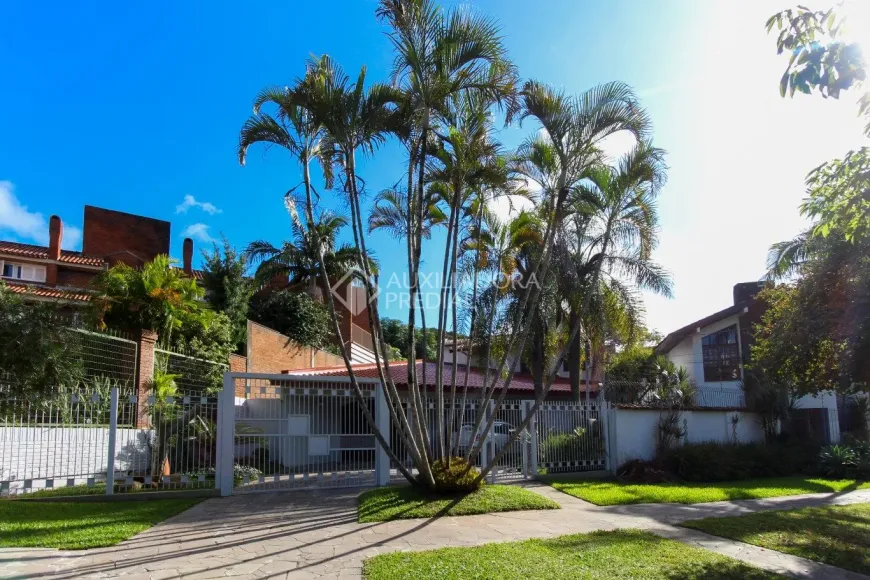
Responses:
[315,535]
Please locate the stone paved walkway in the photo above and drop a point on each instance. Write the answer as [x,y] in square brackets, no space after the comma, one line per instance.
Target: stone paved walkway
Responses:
[315,535]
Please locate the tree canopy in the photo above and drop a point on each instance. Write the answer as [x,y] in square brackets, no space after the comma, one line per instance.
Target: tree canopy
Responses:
[228,288]
[39,353]
[815,334]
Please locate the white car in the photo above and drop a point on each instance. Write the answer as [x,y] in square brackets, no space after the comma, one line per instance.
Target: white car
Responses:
[499,435]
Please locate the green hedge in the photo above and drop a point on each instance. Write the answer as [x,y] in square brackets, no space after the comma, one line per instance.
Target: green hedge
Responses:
[730,461]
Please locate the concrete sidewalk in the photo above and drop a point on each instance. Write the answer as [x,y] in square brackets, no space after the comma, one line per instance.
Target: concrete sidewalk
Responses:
[316,535]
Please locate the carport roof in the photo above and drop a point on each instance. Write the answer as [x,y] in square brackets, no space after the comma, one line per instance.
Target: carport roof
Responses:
[521,382]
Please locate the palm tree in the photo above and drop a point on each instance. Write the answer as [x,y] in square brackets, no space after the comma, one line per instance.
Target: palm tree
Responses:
[439,55]
[390,212]
[292,128]
[786,259]
[299,260]
[355,118]
[155,297]
[613,238]
[573,129]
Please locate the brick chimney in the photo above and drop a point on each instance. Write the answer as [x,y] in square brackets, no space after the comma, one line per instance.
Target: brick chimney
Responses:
[746,291]
[55,237]
[187,256]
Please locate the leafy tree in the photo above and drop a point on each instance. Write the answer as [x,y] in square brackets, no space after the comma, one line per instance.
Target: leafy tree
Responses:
[821,61]
[395,333]
[39,354]
[207,335]
[638,362]
[839,198]
[299,260]
[227,287]
[296,315]
[156,297]
[815,335]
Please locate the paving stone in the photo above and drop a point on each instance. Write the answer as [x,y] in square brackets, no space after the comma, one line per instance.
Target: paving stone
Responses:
[315,535]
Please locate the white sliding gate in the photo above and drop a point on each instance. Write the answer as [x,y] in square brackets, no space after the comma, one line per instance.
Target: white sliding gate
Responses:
[280,432]
[285,432]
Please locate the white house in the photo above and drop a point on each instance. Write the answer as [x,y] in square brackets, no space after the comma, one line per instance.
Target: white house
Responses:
[714,349]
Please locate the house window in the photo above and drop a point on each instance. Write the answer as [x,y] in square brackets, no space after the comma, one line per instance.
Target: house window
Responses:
[25,272]
[721,355]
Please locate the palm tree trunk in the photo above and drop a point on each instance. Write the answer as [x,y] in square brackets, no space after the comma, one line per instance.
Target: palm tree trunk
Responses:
[397,414]
[521,329]
[573,359]
[552,374]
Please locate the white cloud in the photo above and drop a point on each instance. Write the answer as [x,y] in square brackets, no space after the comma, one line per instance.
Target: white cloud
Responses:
[190,201]
[15,219]
[198,232]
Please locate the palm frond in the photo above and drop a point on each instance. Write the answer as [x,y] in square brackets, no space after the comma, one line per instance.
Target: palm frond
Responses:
[786,258]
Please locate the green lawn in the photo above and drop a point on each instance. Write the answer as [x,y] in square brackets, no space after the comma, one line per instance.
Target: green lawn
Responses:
[80,525]
[616,554]
[618,493]
[836,535]
[399,503]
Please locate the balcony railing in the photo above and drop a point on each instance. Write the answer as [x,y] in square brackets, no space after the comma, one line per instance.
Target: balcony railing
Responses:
[361,337]
[650,396]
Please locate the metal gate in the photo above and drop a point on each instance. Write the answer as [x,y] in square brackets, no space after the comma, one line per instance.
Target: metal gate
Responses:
[570,438]
[292,433]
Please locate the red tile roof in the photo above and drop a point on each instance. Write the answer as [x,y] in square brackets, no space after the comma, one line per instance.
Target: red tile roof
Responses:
[66,256]
[399,371]
[37,291]
[41,252]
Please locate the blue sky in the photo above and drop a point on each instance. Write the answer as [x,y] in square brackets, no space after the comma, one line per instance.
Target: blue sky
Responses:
[136,106]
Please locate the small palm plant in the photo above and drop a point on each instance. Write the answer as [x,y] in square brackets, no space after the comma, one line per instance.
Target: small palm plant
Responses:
[162,410]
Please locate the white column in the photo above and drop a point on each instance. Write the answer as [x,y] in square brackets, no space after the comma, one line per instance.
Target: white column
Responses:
[532,469]
[226,421]
[490,441]
[382,417]
[113,432]
[603,417]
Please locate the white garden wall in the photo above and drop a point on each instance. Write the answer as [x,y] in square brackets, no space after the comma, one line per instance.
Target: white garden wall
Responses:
[632,433]
[63,453]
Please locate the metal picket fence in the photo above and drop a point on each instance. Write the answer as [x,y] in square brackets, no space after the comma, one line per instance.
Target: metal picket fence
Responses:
[570,437]
[98,437]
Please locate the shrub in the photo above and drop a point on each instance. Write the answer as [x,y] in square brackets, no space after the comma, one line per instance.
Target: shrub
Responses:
[641,471]
[730,461]
[845,460]
[295,315]
[454,476]
[242,471]
[559,447]
[239,473]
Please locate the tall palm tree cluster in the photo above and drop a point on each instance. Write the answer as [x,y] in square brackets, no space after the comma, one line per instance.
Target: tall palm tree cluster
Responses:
[563,271]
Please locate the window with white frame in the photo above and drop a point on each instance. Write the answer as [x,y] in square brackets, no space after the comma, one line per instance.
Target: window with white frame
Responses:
[24,272]
[721,355]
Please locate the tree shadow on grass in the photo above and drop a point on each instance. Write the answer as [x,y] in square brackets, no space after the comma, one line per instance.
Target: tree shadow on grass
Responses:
[835,535]
[417,501]
[718,571]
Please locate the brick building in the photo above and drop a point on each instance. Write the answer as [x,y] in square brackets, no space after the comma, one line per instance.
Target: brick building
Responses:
[108,237]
